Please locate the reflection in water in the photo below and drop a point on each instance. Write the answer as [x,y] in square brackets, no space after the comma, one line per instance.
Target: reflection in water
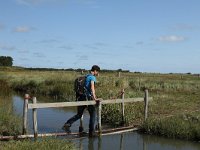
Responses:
[51,120]
[91,144]
[133,140]
[121,141]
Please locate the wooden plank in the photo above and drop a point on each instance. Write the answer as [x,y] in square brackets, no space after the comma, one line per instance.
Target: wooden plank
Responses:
[104,132]
[81,103]
[61,104]
[35,128]
[128,100]
[25,111]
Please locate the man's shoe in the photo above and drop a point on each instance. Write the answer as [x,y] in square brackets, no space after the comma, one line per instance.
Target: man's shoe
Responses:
[66,128]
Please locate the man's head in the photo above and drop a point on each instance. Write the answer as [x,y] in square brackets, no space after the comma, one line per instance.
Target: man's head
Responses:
[95,69]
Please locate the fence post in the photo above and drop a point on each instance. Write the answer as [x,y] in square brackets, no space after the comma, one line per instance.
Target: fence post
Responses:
[119,74]
[146,105]
[99,115]
[123,107]
[35,119]
[25,111]
[81,124]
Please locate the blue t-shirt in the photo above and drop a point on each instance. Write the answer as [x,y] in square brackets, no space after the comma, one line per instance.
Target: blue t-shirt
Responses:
[88,80]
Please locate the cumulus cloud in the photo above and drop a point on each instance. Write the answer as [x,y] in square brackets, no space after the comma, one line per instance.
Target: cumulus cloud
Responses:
[66,47]
[49,41]
[184,27]
[35,2]
[23,51]
[38,55]
[90,3]
[1,26]
[23,29]
[29,2]
[140,43]
[171,38]
[100,44]
[6,47]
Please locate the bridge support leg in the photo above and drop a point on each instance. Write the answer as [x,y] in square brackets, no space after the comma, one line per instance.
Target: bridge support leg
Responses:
[146,99]
[35,128]
[25,116]
[99,116]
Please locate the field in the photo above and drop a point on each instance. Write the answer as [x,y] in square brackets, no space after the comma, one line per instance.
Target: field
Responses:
[176,97]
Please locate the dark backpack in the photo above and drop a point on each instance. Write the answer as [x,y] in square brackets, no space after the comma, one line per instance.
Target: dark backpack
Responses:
[79,85]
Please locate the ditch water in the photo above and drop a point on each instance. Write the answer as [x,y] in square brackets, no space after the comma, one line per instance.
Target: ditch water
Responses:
[52,119]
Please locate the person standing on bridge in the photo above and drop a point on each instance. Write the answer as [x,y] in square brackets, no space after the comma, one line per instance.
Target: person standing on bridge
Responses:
[89,94]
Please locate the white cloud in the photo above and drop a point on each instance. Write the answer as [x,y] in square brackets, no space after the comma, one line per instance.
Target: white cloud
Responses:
[6,47]
[184,27]
[171,38]
[29,2]
[23,29]
[38,55]
[35,2]
[1,26]
[90,3]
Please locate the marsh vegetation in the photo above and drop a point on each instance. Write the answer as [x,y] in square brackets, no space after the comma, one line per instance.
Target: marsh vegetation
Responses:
[175,97]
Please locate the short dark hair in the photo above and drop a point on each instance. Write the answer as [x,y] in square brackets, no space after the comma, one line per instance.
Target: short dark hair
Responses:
[95,67]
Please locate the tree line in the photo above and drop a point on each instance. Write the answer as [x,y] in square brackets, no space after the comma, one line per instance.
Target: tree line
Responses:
[6,61]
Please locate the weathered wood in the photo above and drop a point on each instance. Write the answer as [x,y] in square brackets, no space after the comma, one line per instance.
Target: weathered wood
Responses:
[128,100]
[25,111]
[146,99]
[82,103]
[123,107]
[104,132]
[35,128]
[119,74]
[60,104]
[99,117]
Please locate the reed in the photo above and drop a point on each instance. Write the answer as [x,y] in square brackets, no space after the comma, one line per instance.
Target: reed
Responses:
[44,144]
[173,94]
[185,126]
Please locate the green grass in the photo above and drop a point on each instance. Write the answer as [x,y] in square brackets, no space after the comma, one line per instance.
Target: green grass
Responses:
[173,94]
[182,127]
[10,123]
[41,144]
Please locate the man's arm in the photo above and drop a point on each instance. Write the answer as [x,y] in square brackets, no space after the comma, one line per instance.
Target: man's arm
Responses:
[93,90]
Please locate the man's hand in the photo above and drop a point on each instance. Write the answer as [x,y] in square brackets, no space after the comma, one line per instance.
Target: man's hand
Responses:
[98,101]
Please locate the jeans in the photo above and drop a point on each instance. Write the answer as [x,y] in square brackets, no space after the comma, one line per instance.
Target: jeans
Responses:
[80,110]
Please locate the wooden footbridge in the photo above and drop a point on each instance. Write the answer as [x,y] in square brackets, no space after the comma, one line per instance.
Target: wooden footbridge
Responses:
[34,106]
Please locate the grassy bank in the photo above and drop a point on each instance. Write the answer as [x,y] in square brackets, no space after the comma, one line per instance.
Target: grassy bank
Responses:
[173,94]
[42,144]
[181,127]
[10,124]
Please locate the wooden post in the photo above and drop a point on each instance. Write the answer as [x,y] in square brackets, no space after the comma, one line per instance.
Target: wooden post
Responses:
[139,83]
[25,111]
[123,107]
[119,74]
[99,116]
[146,105]
[35,119]
[81,124]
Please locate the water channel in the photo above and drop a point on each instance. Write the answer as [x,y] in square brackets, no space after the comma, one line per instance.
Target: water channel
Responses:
[52,119]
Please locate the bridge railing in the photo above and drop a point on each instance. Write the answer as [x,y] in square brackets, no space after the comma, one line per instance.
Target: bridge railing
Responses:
[34,106]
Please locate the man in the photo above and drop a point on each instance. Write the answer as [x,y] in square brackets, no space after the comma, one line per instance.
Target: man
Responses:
[88,95]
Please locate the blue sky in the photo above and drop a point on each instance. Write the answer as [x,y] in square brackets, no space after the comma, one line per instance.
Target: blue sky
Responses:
[137,35]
